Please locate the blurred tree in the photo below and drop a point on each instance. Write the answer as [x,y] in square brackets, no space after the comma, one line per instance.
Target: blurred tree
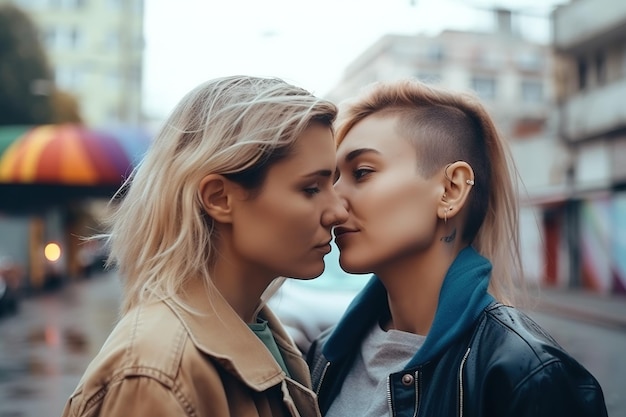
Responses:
[28,94]
[25,76]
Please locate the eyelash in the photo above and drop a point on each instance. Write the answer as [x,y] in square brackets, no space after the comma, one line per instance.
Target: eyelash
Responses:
[312,190]
[359,173]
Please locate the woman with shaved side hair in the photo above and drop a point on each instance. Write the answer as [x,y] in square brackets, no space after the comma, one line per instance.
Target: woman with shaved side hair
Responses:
[432,213]
[235,191]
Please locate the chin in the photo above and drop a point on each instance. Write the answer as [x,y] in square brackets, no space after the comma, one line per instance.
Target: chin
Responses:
[352,267]
[311,273]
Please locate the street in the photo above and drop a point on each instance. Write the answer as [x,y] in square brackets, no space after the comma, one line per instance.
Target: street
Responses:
[45,348]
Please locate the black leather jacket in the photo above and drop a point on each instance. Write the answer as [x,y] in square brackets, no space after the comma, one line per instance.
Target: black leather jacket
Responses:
[504,365]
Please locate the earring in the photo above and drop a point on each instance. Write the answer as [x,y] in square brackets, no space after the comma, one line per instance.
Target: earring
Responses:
[445,173]
[445,215]
[469,182]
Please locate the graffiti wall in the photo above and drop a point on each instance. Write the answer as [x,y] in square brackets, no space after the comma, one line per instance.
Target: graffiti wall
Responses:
[603,243]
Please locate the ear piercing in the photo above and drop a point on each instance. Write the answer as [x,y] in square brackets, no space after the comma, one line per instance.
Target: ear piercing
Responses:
[445,174]
[445,215]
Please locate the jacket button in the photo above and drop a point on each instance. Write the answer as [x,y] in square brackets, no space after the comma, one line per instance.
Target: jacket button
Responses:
[407,379]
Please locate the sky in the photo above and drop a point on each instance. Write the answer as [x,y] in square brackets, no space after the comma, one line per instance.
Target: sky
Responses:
[307,43]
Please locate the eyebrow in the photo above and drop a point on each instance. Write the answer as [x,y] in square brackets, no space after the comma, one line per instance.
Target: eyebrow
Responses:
[319,173]
[357,152]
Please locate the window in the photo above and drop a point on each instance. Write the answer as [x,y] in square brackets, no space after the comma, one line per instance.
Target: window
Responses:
[600,68]
[63,38]
[624,60]
[435,53]
[582,74]
[112,41]
[69,77]
[113,79]
[530,61]
[532,91]
[484,86]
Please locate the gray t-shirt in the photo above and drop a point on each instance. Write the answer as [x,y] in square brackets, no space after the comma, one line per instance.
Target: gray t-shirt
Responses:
[364,392]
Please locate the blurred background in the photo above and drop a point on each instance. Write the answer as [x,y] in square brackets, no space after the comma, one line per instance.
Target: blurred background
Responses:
[85,84]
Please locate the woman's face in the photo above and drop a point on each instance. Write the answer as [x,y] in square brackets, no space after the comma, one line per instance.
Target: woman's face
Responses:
[392,210]
[286,229]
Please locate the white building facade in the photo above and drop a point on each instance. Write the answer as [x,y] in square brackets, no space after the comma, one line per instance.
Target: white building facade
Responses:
[96,50]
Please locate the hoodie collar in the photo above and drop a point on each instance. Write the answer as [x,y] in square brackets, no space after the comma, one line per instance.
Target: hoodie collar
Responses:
[462,298]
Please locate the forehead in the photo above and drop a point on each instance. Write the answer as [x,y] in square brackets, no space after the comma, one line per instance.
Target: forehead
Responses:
[377,132]
[314,149]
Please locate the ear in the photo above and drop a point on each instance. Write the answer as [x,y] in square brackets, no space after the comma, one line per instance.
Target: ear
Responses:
[458,178]
[216,195]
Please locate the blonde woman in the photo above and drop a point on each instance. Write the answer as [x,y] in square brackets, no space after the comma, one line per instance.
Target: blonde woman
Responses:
[235,191]
[432,213]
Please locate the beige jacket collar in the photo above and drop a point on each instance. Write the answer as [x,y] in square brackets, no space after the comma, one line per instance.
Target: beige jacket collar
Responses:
[218,331]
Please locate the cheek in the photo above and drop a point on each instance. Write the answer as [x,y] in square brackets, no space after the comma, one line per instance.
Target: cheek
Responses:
[393,223]
[276,234]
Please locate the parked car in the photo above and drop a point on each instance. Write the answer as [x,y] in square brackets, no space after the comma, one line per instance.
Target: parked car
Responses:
[11,275]
[308,307]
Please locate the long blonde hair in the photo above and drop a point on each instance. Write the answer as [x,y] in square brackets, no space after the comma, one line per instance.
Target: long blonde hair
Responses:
[237,126]
[445,127]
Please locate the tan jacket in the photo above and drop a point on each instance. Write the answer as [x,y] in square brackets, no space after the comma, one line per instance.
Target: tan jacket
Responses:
[163,361]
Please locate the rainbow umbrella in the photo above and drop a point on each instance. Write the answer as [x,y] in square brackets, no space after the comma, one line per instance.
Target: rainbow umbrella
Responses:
[68,154]
[8,134]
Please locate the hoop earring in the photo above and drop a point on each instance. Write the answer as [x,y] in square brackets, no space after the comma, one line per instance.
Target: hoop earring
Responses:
[445,215]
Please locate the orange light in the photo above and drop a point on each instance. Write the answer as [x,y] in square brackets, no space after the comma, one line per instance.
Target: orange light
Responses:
[52,252]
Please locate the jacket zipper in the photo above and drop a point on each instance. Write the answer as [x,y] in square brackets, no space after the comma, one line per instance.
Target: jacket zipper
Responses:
[389,395]
[417,392]
[461,381]
[319,384]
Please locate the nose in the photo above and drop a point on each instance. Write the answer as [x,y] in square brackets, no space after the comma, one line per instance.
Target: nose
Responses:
[336,213]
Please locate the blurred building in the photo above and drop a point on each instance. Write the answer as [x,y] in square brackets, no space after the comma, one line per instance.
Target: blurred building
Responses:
[514,78]
[588,226]
[511,74]
[96,49]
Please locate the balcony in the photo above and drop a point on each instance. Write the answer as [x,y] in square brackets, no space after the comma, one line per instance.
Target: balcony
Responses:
[584,23]
[594,113]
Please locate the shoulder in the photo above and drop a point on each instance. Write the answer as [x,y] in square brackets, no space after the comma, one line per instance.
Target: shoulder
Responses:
[520,348]
[514,358]
[146,352]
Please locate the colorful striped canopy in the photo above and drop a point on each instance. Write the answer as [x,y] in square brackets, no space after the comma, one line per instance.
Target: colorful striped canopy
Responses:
[68,154]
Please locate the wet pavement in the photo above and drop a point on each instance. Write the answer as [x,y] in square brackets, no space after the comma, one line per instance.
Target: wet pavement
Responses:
[46,347]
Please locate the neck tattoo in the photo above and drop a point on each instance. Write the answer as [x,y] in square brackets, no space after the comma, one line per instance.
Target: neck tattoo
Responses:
[450,238]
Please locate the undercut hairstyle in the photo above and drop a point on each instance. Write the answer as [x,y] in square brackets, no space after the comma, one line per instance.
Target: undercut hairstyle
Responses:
[238,126]
[444,127]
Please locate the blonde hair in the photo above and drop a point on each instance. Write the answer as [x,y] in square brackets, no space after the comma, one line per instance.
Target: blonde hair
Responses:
[445,127]
[237,126]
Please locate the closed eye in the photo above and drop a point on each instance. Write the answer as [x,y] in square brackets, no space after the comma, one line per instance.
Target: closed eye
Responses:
[359,173]
[311,190]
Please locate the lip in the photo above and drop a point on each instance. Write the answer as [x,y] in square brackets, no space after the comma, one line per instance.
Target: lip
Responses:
[341,234]
[326,248]
[340,231]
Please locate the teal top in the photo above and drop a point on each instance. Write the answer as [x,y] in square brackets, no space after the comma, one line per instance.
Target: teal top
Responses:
[263,332]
